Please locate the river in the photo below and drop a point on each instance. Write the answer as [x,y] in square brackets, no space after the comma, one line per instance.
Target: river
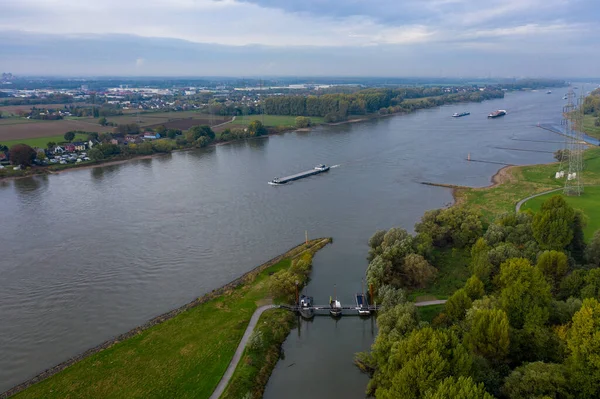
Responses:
[91,253]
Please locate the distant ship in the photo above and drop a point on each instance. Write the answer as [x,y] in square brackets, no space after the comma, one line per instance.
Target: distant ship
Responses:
[497,114]
[549,92]
[457,115]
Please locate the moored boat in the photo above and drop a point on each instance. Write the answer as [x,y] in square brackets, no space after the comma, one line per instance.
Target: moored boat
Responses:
[306,307]
[335,307]
[496,114]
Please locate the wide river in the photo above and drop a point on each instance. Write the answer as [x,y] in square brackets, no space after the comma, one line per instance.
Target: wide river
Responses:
[88,254]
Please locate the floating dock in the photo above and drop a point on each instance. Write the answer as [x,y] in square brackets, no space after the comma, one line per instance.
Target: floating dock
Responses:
[314,171]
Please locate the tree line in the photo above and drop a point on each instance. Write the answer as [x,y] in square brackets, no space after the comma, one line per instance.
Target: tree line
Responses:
[336,107]
[526,324]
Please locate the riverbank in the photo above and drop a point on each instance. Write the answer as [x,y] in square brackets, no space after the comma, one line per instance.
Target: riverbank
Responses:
[182,353]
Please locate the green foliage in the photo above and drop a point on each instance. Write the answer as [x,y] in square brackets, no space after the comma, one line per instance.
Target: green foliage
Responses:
[461,387]
[173,133]
[256,128]
[69,136]
[388,297]
[102,121]
[456,226]
[96,154]
[22,155]
[537,380]
[561,312]
[554,265]
[457,306]
[302,122]
[420,362]
[591,288]
[474,288]
[195,132]
[416,271]
[162,130]
[572,284]
[583,341]
[592,252]
[488,334]
[480,265]
[163,145]
[553,224]
[130,128]
[524,293]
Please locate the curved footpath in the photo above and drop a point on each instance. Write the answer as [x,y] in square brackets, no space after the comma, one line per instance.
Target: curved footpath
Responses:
[239,351]
[248,333]
[520,203]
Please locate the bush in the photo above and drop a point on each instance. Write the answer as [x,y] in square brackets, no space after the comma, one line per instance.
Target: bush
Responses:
[22,154]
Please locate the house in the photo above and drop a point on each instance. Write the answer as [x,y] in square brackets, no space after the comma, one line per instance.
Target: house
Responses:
[79,146]
[90,143]
[116,141]
[58,150]
[151,136]
[70,147]
[3,156]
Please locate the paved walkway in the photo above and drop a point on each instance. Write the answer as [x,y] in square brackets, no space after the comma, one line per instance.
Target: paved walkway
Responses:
[429,303]
[224,123]
[239,351]
[520,203]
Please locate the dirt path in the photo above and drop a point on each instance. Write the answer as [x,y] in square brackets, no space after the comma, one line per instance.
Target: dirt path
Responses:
[429,303]
[239,351]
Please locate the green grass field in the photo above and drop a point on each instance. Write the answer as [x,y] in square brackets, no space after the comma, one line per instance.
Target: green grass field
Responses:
[521,182]
[273,120]
[589,203]
[589,127]
[453,272]
[18,121]
[42,141]
[184,357]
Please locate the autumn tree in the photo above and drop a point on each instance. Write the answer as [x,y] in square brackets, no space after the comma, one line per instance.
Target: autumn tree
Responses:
[553,224]
[22,155]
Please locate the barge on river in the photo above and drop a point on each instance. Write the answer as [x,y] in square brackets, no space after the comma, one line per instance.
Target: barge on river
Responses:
[314,171]
[497,114]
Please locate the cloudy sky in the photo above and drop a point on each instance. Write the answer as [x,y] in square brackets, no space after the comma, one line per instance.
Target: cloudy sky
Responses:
[497,38]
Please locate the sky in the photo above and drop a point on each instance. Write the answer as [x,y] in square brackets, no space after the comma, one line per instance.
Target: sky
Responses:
[437,38]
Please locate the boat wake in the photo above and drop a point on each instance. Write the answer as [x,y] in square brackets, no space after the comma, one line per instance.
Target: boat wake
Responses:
[334,166]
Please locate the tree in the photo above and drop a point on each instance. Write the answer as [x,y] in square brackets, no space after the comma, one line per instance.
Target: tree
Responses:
[457,305]
[572,284]
[553,224]
[488,334]
[416,271]
[161,130]
[379,272]
[173,133]
[561,155]
[525,294]
[69,136]
[577,245]
[591,289]
[195,132]
[102,121]
[22,155]
[461,387]
[455,226]
[554,265]
[474,288]
[50,145]
[92,136]
[283,284]
[583,341]
[302,122]
[41,155]
[256,128]
[592,252]
[3,148]
[480,264]
[105,137]
[537,380]
[96,154]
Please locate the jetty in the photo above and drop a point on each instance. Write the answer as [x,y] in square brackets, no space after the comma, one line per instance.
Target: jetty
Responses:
[314,171]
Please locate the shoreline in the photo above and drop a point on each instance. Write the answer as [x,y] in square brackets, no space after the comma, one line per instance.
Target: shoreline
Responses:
[315,244]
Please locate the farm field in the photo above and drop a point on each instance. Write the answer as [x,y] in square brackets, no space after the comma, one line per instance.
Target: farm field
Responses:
[13,109]
[46,130]
[177,120]
[41,142]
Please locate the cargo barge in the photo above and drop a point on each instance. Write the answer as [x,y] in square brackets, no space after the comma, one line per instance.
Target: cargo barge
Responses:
[497,114]
[314,171]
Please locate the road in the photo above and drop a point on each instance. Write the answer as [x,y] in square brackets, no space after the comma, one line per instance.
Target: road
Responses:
[520,203]
[429,303]
[239,351]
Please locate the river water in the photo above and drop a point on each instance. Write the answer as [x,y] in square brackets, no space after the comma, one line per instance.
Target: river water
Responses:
[92,253]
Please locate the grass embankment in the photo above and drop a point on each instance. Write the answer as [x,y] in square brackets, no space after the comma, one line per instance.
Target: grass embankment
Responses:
[453,272]
[518,183]
[589,126]
[185,356]
[428,313]
[274,120]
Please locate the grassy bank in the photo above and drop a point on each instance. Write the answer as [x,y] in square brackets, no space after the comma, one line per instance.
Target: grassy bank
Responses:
[273,120]
[183,357]
[41,142]
[590,127]
[517,183]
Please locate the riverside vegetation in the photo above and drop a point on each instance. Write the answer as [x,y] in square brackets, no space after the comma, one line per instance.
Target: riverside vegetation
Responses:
[525,323]
[186,356]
